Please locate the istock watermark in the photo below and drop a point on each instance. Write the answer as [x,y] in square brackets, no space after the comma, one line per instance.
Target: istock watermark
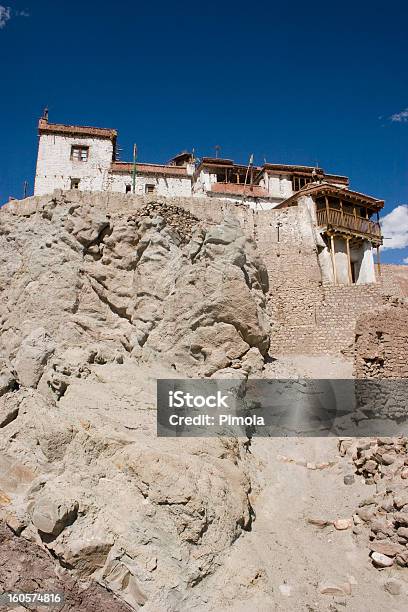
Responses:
[248,408]
[179,399]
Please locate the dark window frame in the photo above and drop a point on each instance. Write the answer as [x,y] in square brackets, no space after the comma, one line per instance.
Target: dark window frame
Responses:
[80,149]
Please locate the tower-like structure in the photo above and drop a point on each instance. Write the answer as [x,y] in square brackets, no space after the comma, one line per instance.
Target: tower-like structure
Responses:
[73,157]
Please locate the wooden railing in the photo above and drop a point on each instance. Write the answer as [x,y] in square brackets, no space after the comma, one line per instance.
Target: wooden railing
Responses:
[343,220]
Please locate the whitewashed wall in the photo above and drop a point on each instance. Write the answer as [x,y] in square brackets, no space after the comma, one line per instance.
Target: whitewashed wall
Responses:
[278,186]
[203,182]
[55,167]
[171,186]
[365,263]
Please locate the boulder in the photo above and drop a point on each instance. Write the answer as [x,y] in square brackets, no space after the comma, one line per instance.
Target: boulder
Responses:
[50,516]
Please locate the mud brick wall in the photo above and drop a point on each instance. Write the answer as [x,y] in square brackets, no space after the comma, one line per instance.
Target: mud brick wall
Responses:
[381,343]
[394,279]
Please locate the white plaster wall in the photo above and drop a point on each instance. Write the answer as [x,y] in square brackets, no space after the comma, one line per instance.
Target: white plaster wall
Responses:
[307,203]
[326,264]
[341,257]
[190,168]
[55,167]
[165,186]
[367,269]
[279,186]
[203,182]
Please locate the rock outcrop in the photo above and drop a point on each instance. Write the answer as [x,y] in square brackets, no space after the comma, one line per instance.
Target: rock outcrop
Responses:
[157,283]
[95,306]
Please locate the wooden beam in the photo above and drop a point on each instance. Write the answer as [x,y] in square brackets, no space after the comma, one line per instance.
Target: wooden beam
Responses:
[378,261]
[349,260]
[333,254]
[342,212]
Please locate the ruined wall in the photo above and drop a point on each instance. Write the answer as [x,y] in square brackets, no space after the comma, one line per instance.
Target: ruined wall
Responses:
[381,343]
[393,279]
[55,167]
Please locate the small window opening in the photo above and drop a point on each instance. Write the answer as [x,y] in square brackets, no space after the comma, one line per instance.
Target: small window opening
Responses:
[149,188]
[74,183]
[128,188]
[79,153]
[300,181]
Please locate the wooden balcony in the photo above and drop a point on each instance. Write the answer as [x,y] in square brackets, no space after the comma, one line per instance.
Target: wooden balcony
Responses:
[352,224]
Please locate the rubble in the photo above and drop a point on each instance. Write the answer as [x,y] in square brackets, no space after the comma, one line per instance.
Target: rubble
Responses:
[381,461]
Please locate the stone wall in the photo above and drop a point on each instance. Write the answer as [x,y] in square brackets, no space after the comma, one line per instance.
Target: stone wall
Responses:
[308,316]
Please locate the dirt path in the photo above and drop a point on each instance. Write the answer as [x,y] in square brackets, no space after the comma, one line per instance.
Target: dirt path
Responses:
[285,562]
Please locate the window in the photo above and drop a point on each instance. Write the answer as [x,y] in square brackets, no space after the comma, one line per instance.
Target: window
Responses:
[150,188]
[74,183]
[79,153]
[300,181]
[128,188]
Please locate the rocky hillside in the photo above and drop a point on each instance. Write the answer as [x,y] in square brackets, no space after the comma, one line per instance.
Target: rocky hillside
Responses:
[99,298]
[94,308]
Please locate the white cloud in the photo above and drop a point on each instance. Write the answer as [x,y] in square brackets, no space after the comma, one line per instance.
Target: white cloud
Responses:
[395,228]
[401,117]
[405,260]
[5,14]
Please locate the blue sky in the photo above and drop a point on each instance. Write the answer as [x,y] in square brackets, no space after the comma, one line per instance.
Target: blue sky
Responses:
[290,82]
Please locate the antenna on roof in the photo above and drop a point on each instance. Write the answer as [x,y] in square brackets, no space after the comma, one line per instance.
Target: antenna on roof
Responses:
[250,167]
[217,151]
[134,168]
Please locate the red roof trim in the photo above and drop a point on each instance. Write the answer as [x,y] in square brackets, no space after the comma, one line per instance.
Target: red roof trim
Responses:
[251,191]
[75,130]
[144,168]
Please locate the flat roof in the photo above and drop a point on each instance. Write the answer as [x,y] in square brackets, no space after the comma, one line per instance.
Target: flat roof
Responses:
[145,168]
[75,130]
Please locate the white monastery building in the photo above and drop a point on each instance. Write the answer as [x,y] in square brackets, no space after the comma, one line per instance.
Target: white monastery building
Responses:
[346,222]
